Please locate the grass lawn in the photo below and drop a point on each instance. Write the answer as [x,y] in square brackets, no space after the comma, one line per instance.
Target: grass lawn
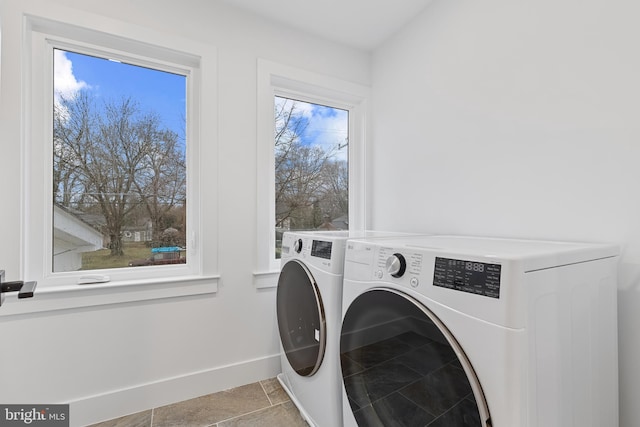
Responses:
[103,259]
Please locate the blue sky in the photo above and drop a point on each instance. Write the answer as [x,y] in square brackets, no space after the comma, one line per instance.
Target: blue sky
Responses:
[326,126]
[155,90]
[165,94]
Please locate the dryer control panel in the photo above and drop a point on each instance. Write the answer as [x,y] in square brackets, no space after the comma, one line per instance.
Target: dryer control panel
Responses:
[473,277]
[399,263]
[420,268]
[318,250]
[321,248]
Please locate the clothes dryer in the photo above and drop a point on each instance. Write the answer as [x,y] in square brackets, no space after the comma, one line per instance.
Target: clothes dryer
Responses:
[464,331]
[309,311]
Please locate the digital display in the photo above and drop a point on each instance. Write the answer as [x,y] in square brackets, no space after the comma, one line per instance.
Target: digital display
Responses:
[321,249]
[468,276]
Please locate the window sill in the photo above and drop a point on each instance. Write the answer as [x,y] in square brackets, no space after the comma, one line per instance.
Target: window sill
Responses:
[266,279]
[77,296]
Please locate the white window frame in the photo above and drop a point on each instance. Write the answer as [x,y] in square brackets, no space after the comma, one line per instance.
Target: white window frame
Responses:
[88,34]
[276,79]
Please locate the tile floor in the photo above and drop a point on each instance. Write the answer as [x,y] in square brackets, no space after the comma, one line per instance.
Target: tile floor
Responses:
[263,404]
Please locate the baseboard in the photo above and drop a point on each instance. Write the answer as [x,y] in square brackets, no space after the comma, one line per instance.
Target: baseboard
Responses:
[114,404]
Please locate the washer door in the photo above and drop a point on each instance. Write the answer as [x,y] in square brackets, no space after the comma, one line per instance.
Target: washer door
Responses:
[301,319]
[402,367]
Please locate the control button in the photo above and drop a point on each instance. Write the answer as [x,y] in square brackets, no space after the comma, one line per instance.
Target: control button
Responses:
[396,265]
[378,274]
[297,245]
[414,282]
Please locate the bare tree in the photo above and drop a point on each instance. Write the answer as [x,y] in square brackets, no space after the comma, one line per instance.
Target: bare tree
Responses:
[115,157]
[336,197]
[162,181]
[304,174]
[74,122]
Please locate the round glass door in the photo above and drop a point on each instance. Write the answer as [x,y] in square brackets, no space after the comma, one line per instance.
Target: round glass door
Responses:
[400,366]
[301,319]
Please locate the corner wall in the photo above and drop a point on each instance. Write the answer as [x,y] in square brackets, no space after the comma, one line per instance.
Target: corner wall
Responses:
[516,119]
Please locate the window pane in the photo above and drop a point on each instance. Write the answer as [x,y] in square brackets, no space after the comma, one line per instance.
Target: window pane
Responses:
[119,171]
[311,167]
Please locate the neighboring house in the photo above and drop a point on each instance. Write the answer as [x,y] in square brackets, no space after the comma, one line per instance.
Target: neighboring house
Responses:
[142,233]
[72,236]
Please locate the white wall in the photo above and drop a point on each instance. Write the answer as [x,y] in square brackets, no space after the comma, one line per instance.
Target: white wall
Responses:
[517,119]
[126,357]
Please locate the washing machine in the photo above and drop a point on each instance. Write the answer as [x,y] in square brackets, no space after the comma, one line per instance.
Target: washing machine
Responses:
[446,331]
[309,312]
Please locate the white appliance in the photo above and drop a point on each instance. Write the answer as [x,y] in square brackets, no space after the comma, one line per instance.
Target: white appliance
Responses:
[309,312]
[464,331]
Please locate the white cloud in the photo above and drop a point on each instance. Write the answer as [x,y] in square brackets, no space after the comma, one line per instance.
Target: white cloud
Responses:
[331,131]
[326,127]
[64,82]
[305,108]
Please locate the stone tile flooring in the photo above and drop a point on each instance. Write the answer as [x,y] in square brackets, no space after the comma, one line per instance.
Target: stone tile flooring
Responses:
[261,404]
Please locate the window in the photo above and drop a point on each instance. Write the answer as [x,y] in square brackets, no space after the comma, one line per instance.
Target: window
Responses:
[112,134]
[119,171]
[297,102]
[311,167]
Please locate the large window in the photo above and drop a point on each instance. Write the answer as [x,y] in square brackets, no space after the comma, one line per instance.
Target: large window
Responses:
[311,149]
[112,157]
[119,164]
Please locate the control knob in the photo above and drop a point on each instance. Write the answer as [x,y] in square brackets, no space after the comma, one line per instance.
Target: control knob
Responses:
[396,265]
[297,245]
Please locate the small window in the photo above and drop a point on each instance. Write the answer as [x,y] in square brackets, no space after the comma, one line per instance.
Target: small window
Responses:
[311,167]
[119,169]
[312,175]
